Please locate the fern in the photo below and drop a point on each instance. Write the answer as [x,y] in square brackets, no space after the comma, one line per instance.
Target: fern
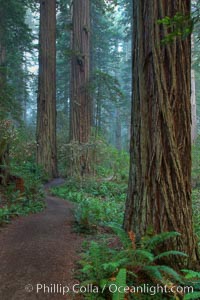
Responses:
[170,272]
[153,272]
[154,241]
[168,253]
[143,255]
[119,231]
[113,266]
[159,273]
[191,296]
[96,256]
[101,264]
[191,274]
[120,282]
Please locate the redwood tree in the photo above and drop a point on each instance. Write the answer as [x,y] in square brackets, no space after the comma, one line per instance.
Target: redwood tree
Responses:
[80,123]
[159,195]
[46,118]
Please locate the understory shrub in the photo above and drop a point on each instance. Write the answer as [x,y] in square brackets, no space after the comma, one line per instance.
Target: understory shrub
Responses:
[31,200]
[21,207]
[106,160]
[98,203]
[138,272]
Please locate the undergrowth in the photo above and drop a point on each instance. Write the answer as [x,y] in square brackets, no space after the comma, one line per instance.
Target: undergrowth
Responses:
[113,259]
[15,203]
[22,207]
[196,210]
[98,203]
[131,272]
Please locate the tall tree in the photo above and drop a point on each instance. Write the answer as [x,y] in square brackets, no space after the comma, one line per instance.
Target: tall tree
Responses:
[159,195]
[15,39]
[46,118]
[80,123]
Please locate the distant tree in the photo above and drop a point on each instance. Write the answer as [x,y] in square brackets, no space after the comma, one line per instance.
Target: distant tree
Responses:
[159,194]
[15,39]
[46,107]
[63,57]
[80,122]
[111,69]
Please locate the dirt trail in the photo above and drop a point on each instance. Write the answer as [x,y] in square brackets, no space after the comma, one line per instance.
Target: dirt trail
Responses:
[39,249]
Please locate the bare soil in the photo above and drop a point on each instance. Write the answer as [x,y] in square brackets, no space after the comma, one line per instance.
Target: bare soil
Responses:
[40,249]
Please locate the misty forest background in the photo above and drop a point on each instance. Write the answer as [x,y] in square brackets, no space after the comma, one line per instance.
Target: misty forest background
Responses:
[102,93]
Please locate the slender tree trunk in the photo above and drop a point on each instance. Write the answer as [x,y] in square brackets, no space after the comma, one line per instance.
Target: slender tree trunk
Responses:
[2,65]
[46,118]
[159,195]
[80,100]
[4,146]
[194,108]
[118,132]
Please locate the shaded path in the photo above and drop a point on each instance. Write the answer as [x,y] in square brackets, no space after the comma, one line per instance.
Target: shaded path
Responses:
[39,249]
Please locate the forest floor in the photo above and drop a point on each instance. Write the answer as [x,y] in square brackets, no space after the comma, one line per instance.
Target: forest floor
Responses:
[40,251]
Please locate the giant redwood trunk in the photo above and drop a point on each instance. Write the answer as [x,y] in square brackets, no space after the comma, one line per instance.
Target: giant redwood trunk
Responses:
[80,122]
[46,118]
[159,195]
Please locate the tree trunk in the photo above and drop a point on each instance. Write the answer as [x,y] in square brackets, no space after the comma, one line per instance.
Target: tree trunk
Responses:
[159,195]
[46,117]
[194,108]
[80,99]
[118,132]
[3,75]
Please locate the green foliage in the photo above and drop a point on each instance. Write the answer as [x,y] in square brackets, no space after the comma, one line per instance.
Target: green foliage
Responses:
[190,274]
[111,80]
[15,203]
[196,162]
[92,212]
[7,134]
[98,202]
[33,176]
[20,207]
[106,160]
[157,239]
[196,210]
[196,185]
[191,296]
[120,282]
[178,26]
[110,162]
[104,265]
[16,39]
[192,279]
[108,84]
[23,147]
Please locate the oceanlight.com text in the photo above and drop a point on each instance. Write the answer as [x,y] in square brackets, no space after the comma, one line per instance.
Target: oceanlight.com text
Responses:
[113,288]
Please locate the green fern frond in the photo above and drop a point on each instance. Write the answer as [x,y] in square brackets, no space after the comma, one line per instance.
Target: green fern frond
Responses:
[170,272]
[86,268]
[95,253]
[191,296]
[171,252]
[132,274]
[104,282]
[120,282]
[190,274]
[89,281]
[121,233]
[143,255]
[112,266]
[151,243]
[153,272]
